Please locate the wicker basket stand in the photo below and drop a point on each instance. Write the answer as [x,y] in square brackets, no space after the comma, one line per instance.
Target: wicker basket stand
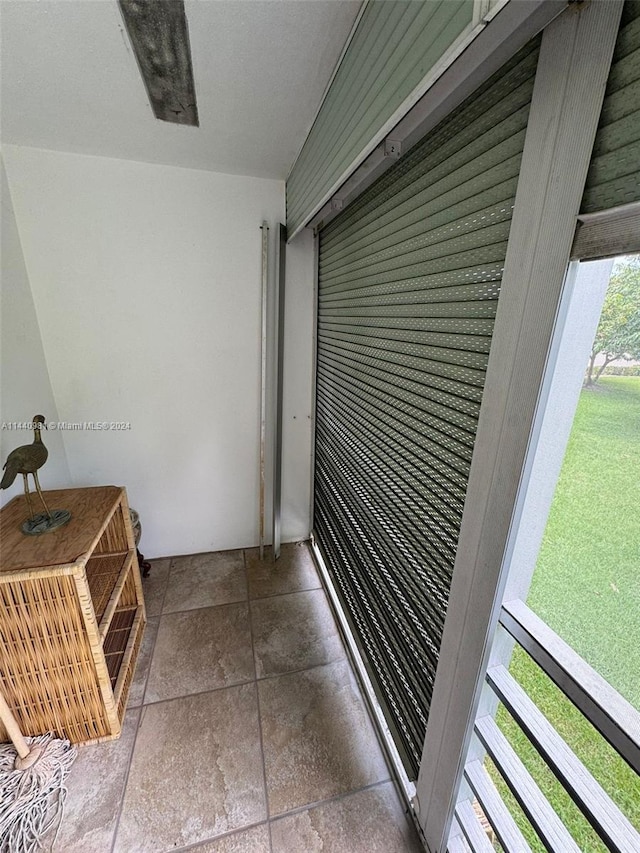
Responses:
[71,616]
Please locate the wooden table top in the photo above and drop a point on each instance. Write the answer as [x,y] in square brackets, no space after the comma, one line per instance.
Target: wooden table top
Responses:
[71,543]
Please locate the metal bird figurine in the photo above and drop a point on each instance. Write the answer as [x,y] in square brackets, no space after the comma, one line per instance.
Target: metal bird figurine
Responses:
[27,460]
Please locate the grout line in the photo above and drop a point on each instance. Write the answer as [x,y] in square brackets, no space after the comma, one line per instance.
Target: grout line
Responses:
[204,606]
[198,692]
[241,549]
[255,669]
[336,799]
[140,710]
[288,591]
[166,587]
[198,845]
[285,593]
[292,812]
[116,827]
[164,594]
[173,557]
[303,669]
[153,651]
[155,640]
[247,681]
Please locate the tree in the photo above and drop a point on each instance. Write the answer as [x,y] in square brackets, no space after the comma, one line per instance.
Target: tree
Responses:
[618,335]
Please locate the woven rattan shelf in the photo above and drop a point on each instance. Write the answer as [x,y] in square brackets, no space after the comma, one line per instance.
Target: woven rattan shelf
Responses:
[117,639]
[71,616]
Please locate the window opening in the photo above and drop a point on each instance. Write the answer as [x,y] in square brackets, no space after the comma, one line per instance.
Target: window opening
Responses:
[586,582]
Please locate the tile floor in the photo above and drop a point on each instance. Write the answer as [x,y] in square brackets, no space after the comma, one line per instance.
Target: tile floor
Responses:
[245,730]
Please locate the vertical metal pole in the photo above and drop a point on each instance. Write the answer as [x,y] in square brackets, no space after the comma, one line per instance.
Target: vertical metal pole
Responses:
[314,381]
[277,439]
[263,380]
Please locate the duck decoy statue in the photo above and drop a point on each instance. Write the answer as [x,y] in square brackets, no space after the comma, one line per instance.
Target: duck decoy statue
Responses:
[26,460]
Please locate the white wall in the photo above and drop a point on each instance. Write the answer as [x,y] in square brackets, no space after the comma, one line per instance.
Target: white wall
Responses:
[146,282]
[25,388]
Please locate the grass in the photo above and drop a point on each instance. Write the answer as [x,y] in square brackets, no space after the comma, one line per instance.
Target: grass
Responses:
[587,588]
[587,582]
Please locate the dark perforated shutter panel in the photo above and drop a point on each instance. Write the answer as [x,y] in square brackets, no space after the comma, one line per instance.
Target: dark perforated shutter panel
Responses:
[614,172]
[409,277]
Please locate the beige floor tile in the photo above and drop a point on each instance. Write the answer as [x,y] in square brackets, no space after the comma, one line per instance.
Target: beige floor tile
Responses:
[196,772]
[154,587]
[95,786]
[200,650]
[203,580]
[318,739]
[254,840]
[295,631]
[293,571]
[370,821]
[143,663]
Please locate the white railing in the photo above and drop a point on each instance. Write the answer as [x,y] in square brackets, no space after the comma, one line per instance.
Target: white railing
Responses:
[615,719]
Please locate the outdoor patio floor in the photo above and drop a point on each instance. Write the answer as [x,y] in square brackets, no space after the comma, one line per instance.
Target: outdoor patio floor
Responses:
[245,730]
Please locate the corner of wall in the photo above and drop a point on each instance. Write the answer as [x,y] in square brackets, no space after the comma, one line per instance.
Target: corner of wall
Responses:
[25,385]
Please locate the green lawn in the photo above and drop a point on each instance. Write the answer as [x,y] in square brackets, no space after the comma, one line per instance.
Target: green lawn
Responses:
[587,588]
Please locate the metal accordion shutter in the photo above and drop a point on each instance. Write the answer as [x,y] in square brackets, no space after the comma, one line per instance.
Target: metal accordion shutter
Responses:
[409,277]
[614,173]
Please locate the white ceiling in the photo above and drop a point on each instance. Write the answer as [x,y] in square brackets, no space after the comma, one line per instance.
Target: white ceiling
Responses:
[70,81]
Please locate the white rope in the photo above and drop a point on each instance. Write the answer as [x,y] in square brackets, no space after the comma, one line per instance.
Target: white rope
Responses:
[32,800]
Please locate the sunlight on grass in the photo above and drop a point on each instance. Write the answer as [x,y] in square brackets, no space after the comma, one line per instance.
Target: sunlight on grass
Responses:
[587,581]
[587,588]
